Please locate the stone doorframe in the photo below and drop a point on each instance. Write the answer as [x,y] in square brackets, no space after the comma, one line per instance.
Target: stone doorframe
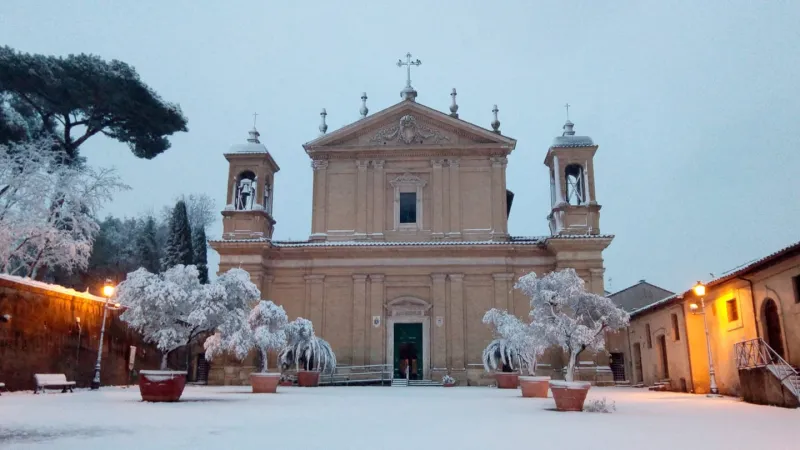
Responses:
[409,310]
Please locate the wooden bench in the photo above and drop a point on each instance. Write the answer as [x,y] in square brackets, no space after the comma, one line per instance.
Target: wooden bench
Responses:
[52,380]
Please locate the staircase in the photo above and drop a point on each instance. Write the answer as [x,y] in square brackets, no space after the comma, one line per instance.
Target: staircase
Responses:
[402,382]
[757,354]
[788,375]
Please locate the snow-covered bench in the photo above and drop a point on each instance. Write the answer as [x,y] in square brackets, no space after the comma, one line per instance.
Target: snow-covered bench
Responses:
[2,387]
[52,380]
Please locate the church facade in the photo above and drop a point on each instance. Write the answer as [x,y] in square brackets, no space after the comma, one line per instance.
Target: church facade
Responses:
[409,242]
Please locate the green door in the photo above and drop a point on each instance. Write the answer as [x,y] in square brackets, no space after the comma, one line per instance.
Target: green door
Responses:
[408,350]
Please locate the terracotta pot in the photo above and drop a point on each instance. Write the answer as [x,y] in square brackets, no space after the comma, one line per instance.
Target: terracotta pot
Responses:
[308,378]
[449,385]
[506,380]
[265,383]
[161,385]
[285,383]
[534,386]
[569,396]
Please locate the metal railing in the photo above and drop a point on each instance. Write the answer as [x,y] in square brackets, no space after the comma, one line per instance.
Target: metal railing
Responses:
[756,353]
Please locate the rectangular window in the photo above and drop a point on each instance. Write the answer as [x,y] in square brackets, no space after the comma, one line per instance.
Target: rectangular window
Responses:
[649,337]
[676,333]
[733,310]
[796,281]
[408,207]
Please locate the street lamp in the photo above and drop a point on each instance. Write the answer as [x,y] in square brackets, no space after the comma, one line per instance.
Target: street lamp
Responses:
[108,291]
[700,291]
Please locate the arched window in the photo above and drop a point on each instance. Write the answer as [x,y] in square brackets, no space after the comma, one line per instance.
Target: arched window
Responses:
[245,191]
[576,190]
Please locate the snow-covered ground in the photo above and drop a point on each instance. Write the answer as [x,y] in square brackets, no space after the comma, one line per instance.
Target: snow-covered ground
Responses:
[334,418]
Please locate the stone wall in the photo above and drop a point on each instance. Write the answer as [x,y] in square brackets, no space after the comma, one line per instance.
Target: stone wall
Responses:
[44,336]
[760,386]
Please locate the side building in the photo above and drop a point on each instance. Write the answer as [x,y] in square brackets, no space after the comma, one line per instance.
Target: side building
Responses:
[753,320]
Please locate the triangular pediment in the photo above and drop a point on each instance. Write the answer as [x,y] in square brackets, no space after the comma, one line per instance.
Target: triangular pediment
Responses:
[408,124]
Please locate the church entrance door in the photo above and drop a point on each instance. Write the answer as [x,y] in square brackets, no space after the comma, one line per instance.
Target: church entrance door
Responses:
[408,350]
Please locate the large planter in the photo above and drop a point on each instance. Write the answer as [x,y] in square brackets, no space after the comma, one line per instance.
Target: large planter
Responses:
[534,386]
[264,383]
[161,385]
[506,380]
[308,378]
[569,396]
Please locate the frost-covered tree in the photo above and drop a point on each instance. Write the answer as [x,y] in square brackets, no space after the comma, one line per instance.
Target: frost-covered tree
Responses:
[179,242]
[78,96]
[515,345]
[48,210]
[304,348]
[172,308]
[564,314]
[147,246]
[200,249]
[263,330]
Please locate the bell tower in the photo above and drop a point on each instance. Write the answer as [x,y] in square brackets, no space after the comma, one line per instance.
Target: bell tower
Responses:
[251,177]
[574,207]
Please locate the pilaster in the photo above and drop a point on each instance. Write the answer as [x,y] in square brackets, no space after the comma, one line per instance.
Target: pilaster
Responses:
[376,334]
[498,197]
[315,292]
[359,319]
[319,228]
[439,335]
[455,200]
[503,298]
[378,199]
[266,287]
[361,200]
[438,199]
[456,328]
[596,284]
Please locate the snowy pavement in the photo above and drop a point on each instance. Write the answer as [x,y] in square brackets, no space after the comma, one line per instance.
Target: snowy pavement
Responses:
[334,418]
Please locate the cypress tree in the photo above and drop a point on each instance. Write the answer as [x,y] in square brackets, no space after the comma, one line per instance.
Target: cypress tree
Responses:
[200,256]
[147,246]
[179,241]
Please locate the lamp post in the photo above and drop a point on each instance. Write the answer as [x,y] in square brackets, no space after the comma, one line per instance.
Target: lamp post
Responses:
[108,291]
[700,291]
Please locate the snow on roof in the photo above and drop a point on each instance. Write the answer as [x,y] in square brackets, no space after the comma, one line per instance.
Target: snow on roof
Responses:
[572,141]
[50,287]
[514,240]
[752,267]
[248,147]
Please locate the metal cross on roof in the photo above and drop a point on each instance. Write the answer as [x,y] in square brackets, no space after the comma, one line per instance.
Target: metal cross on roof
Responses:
[408,63]
[255,115]
[567,106]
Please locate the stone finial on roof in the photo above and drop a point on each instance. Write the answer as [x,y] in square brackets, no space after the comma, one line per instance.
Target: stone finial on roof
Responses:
[568,131]
[364,110]
[323,127]
[454,106]
[495,122]
[254,134]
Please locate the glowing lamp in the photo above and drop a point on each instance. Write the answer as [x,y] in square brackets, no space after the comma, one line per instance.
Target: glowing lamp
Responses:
[108,288]
[699,289]
[693,306]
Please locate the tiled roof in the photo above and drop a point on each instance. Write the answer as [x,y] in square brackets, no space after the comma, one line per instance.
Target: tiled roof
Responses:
[752,267]
[50,287]
[514,240]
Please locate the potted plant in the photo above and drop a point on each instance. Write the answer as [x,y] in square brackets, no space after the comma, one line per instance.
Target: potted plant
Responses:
[448,381]
[304,349]
[514,346]
[171,309]
[564,314]
[263,330]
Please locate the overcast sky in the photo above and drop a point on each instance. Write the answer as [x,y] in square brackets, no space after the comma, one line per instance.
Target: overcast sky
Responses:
[694,104]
